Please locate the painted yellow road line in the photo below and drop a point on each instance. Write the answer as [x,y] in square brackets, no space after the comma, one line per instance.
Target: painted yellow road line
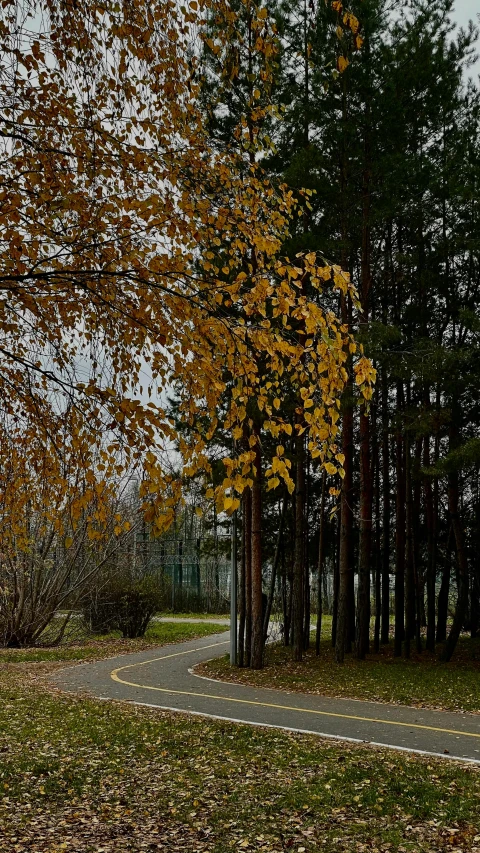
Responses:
[115,677]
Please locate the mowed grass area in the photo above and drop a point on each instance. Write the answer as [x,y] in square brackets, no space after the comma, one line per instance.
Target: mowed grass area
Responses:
[97,647]
[97,777]
[422,681]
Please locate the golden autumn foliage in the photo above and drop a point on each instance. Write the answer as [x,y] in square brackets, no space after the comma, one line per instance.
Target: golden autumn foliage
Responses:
[131,245]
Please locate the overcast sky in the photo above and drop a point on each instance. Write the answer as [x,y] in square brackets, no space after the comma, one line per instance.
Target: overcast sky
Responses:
[465,11]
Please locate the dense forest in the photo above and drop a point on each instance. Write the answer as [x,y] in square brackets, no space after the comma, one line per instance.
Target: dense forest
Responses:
[376,131]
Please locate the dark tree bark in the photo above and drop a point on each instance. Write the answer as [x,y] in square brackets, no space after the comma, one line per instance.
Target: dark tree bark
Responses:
[321,559]
[410,569]
[247,501]
[431,549]
[336,582]
[459,538]
[256,660]
[385,514]
[242,595]
[399,534]
[377,550]
[442,606]
[299,560]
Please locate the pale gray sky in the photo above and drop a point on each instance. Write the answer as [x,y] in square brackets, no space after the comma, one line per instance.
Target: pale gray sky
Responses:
[465,11]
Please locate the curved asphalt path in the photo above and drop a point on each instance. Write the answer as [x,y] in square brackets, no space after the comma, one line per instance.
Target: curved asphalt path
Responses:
[162,678]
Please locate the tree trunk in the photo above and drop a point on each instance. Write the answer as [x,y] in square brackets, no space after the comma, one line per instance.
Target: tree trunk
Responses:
[431,550]
[299,560]
[462,596]
[336,582]
[377,551]
[256,661]
[442,607]
[399,535]
[385,514]
[242,596]
[321,558]
[276,560]
[247,499]
[410,571]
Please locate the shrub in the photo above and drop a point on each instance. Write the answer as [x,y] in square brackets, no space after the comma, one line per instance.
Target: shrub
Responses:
[126,603]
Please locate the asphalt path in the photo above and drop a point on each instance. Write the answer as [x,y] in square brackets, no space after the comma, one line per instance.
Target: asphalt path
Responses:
[163,678]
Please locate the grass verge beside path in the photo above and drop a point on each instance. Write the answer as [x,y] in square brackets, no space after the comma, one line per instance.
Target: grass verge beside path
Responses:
[422,682]
[95,648]
[93,777]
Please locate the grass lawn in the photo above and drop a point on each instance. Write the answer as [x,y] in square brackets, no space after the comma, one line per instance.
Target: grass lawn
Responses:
[94,648]
[94,777]
[192,615]
[423,681]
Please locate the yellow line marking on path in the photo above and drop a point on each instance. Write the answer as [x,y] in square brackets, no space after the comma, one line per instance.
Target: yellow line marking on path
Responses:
[115,677]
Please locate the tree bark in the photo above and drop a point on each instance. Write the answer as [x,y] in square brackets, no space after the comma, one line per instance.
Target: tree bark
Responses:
[256,661]
[299,559]
[399,534]
[431,549]
[321,558]
[248,574]
[410,569]
[242,596]
[385,515]
[459,537]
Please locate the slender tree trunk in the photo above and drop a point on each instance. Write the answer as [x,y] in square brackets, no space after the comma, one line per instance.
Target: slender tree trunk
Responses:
[378,551]
[276,560]
[306,566]
[336,582]
[409,574]
[247,500]
[385,514]
[475,583]
[365,543]
[256,661]
[242,596]
[399,535]
[321,558]
[362,645]
[419,578]
[431,549]
[459,537]
[299,559]
[442,607]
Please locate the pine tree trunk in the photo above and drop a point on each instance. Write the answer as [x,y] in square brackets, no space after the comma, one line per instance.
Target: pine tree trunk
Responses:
[336,581]
[459,537]
[242,597]
[306,567]
[386,514]
[256,660]
[377,550]
[362,644]
[410,571]
[247,500]
[442,607]
[321,558]
[431,550]
[298,567]
[399,536]
[365,543]
[419,580]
